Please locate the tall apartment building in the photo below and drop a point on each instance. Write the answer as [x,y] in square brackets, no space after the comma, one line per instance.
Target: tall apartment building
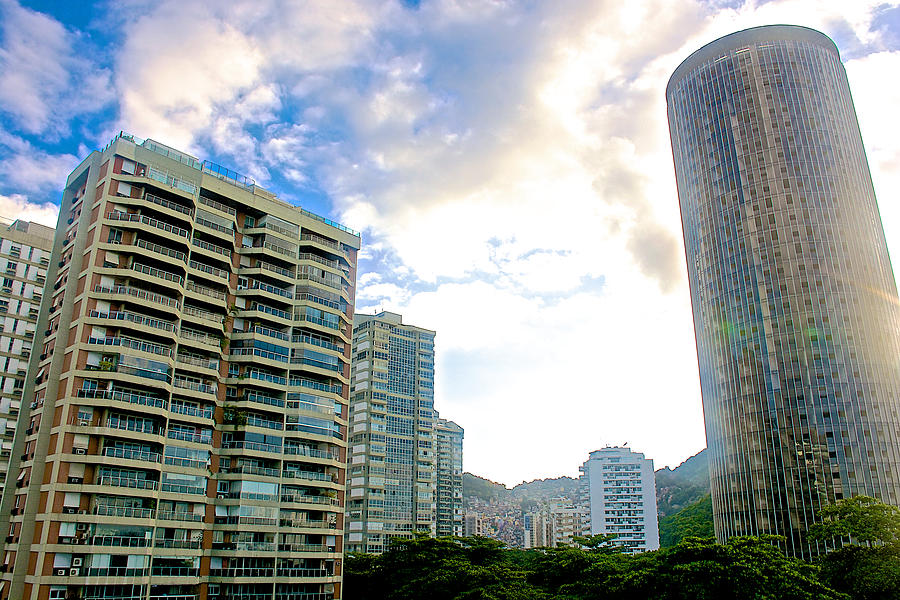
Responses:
[24,257]
[796,313]
[187,431]
[620,492]
[449,499]
[393,449]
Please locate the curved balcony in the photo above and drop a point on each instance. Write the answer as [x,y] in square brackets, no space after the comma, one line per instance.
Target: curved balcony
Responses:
[153,250]
[199,339]
[210,250]
[205,318]
[125,396]
[154,276]
[136,321]
[217,230]
[118,292]
[208,272]
[148,224]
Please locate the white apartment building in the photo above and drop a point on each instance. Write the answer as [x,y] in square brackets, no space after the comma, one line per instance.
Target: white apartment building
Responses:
[620,495]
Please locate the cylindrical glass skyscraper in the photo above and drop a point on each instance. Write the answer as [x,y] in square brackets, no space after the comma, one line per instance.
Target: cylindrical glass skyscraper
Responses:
[794,300]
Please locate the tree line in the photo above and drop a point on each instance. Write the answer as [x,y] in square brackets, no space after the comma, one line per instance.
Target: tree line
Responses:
[865,566]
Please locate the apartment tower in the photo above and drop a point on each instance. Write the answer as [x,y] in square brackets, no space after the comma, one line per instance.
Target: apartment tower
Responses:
[393,460]
[24,257]
[794,300]
[619,489]
[449,498]
[186,436]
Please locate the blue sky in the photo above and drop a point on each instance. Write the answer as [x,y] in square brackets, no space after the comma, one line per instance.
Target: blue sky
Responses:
[507,162]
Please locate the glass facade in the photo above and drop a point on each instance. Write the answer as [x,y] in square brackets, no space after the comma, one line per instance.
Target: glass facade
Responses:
[794,301]
[392,458]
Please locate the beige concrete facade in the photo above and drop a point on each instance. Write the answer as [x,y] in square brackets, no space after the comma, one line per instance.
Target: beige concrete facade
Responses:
[187,436]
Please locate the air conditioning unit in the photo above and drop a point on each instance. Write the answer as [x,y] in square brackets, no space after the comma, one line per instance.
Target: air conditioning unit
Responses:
[60,572]
[75,480]
[69,510]
[79,451]
[84,422]
[76,562]
[82,526]
[221,495]
[66,540]
[82,512]
[74,572]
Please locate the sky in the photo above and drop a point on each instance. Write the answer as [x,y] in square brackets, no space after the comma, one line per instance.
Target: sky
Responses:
[508,164]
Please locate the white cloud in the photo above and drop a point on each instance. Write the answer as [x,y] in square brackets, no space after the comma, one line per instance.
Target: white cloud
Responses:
[45,78]
[17,206]
[26,168]
[504,157]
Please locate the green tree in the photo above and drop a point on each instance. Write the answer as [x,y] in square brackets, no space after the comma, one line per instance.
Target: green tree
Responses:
[694,520]
[744,568]
[868,568]
[862,519]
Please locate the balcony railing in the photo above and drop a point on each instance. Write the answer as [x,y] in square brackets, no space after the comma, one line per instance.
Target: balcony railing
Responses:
[316,385]
[124,396]
[318,259]
[262,376]
[214,271]
[133,344]
[311,237]
[180,488]
[136,218]
[253,470]
[214,226]
[118,540]
[159,273]
[123,511]
[205,291]
[306,339]
[260,353]
[308,475]
[192,411]
[177,515]
[317,321]
[266,331]
[305,499]
[158,249]
[197,361]
[127,453]
[127,482]
[212,247]
[282,314]
[134,318]
[262,399]
[304,451]
[195,386]
[185,210]
[275,269]
[187,436]
[245,445]
[198,336]
[150,427]
[138,293]
[265,287]
[217,205]
[204,314]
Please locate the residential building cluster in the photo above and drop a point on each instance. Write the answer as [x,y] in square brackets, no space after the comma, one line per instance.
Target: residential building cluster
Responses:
[405,461]
[190,407]
[188,410]
[617,498]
